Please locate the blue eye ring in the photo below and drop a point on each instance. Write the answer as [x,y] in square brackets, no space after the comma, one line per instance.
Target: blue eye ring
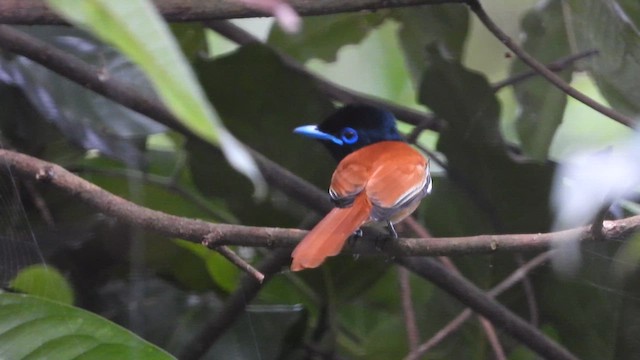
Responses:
[349,135]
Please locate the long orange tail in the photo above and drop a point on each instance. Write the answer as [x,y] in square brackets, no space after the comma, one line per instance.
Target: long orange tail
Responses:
[329,236]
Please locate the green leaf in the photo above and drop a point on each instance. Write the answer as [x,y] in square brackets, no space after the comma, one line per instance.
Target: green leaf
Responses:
[477,159]
[263,100]
[43,281]
[604,25]
[35,328]
[323,36]
[541,105]
[136,29]
[445,26]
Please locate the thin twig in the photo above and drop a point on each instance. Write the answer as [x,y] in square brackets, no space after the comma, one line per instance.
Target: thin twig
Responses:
[556,66]
[529,293]
[457,322]
[413,334]
[236,260]
[492,336]
[40,203]
[556,80]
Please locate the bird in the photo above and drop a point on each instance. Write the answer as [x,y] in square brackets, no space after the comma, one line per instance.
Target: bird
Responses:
[379,178]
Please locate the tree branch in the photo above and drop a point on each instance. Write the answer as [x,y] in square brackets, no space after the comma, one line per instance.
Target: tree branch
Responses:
[518,275]
[240,235]
[408,312]
[556,80]
[473,297]
[35,12]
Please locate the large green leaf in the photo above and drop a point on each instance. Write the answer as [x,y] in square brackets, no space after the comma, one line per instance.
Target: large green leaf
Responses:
[323,36]
[604,25]
[445,26]
[541,105]
[263,100]
[35,328]
[497,182]
[136,29]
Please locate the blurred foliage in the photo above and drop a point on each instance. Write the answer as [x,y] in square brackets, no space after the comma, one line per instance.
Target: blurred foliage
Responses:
[166,290]
[605,25]
[541,104]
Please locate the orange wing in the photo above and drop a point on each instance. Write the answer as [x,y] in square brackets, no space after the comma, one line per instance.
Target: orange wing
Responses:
[389,172]
[398,177]
[349,178]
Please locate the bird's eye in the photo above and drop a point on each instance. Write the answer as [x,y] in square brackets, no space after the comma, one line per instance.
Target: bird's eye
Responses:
[349,135]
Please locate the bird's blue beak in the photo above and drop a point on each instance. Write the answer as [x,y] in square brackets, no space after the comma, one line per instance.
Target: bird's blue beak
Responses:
[313,132]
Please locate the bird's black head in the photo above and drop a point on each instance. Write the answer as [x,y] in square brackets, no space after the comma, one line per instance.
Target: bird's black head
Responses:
[353,127]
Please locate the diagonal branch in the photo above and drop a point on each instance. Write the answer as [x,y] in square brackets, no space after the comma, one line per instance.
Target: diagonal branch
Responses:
[489,329]
[556,80]
[518,275]
[408,312]
[473,297]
